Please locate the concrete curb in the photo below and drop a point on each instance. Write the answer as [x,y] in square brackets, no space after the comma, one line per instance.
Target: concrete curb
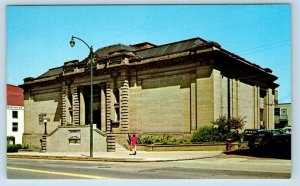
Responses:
[106,159]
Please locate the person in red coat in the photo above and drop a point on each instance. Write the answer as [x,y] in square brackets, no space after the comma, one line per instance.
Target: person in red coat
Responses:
[133,142]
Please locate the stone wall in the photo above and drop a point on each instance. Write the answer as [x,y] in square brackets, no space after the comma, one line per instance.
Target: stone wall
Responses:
[35,103]
[204,96]
[62,135]
[161,104]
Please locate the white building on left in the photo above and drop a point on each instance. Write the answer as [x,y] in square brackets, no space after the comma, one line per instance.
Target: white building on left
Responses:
[15,114]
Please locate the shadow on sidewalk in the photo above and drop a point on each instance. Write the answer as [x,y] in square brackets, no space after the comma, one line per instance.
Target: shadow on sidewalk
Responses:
[262,153]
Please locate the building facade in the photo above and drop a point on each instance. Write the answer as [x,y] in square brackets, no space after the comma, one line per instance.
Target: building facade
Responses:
[15,114]
[145,89]
[283,115]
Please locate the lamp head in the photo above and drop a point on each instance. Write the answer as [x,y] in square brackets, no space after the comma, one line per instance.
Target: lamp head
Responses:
[72,42]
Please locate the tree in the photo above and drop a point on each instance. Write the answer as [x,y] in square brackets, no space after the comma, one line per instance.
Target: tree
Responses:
[221,129]
[227,125]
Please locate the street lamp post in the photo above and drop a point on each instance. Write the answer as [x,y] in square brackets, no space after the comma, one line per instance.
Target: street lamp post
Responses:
[72,43]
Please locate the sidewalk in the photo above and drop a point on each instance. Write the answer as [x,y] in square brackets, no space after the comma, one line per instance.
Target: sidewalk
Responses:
[123,156]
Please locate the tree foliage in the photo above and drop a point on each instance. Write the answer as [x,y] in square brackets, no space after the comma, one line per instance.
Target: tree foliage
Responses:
[227,125]
[206,134]
[220,130]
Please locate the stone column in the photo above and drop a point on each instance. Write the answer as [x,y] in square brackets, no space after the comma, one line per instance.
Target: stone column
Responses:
[75,106]
[193,102]
[256,108]
[64,105]
[108,108]
[237,98]
[124,97]
[204,96]
[269,109]
[234,97]
[81,107]
[103,109]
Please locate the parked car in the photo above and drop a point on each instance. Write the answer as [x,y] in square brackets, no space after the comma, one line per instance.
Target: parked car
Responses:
[248,133]
[287,130]
[269,140]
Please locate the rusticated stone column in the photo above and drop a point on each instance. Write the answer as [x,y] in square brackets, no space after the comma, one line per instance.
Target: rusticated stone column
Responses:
[75,106]
[108,108]
[81,107]
[103,109]
[64,110]
[124,106]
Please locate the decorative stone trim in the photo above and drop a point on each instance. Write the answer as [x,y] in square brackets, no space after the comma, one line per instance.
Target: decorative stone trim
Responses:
[111,143]
[81,106]
[63,97]
[75,106]
[44,143]
[124,97]
[108,108]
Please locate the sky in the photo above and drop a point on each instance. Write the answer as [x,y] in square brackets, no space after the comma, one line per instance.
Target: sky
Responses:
[37,37]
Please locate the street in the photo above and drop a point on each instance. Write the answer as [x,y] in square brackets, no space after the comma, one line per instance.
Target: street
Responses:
[224,167]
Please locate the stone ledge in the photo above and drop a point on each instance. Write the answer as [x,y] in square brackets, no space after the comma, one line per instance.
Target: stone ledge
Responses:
[191,147]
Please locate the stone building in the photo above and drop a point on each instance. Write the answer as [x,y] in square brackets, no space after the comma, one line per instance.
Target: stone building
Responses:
[173,88]
[283,115]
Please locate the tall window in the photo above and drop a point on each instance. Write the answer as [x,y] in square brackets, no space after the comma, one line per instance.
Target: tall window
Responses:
[70,99]
[15,126]
[117,104]
[261,114]
[277,111]
[15,114]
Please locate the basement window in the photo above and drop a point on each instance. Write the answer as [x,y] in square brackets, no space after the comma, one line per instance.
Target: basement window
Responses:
[74,140]
[74,137]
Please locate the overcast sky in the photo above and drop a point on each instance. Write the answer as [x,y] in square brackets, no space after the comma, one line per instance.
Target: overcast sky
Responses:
[37,37]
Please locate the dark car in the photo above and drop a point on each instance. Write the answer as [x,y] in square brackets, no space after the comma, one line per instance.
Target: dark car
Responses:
[276,132]
[267,139]
[248,133]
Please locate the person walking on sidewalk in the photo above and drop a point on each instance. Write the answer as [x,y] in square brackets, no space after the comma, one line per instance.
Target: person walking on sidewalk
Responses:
[133,142]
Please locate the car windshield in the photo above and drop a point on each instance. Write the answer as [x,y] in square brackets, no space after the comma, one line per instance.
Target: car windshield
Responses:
[261,135]
[276,132]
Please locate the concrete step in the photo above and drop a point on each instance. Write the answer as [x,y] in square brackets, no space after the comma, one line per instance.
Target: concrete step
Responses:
[120,148]
[111,143]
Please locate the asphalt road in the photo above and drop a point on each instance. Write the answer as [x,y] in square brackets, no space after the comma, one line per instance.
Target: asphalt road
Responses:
[211,168]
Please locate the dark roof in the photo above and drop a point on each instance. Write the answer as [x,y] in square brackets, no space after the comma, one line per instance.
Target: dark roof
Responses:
[143,43]
[166,49]
[170,48]
[103,52]
[52,72]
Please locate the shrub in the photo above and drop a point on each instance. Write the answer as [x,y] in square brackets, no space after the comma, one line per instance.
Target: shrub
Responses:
[13,148]
[147,139]
[206,134]
[233,135]
[162,139]
[227,125]
[16,147]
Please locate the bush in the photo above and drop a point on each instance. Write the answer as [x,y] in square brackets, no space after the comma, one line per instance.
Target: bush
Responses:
[13,148]
[147,139]
[227,125]
[16,147]
[162,139]
[233,135]
[206,134]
